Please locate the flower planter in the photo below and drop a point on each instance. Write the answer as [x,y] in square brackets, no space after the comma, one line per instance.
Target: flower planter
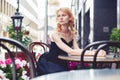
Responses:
[22,56]
[6,69]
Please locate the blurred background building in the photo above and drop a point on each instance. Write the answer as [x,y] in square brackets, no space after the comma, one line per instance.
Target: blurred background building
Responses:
[28,8]
[94,19]
[39,16]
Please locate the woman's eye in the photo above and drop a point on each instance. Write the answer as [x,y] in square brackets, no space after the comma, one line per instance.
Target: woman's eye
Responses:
[63,15]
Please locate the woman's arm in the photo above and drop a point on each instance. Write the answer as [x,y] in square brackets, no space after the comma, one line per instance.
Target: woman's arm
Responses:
[88,52]
[76,50]
[61,44]
[75,44]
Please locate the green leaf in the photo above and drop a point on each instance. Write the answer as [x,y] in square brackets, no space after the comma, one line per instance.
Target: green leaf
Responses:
[115,35]
[13,34]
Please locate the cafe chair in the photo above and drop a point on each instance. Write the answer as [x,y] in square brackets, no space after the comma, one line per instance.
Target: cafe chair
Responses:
[42,48]
[11,49]
[105,45]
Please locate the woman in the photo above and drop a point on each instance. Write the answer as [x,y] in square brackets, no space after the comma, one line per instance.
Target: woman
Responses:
[63,42]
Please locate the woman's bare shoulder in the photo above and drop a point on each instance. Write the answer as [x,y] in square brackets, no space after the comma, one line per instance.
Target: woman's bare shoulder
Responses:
[55,36]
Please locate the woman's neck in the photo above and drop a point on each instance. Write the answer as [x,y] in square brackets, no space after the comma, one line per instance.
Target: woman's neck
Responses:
[65,29]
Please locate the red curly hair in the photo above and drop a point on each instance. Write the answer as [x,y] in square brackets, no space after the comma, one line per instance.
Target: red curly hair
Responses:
[71,22]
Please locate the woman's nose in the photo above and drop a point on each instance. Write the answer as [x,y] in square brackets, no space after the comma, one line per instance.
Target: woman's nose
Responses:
[61,17]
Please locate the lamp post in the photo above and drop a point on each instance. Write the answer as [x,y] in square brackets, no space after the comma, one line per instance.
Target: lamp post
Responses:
[17,22]
[17,19]
[46,21]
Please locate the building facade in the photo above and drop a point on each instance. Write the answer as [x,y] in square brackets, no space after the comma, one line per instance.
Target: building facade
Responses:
[95,19]
[28,8]
[39,16]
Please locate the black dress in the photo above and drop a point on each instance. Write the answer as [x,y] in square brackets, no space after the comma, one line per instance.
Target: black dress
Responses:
[49,62]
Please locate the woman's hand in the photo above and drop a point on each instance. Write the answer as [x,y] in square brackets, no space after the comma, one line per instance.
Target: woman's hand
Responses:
[102,53]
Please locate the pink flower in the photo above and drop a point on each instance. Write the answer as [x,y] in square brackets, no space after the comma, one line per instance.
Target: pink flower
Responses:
[86,64]
[72,65]
[17,66]
[1,62]
[6,65]
[8,61]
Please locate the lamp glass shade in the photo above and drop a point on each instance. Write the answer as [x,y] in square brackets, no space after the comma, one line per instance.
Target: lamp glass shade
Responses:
[17,21]
[17,24]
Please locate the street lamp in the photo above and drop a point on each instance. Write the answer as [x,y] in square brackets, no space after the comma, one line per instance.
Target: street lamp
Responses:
[17,19]
[17,22]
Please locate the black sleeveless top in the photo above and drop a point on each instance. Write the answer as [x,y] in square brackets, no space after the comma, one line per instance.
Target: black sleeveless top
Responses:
[55,51]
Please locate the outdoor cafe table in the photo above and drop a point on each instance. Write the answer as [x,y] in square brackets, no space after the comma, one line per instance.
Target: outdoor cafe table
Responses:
[108,58]
[86,74]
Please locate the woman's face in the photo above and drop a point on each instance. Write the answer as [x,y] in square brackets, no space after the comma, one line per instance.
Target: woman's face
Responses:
[62,18]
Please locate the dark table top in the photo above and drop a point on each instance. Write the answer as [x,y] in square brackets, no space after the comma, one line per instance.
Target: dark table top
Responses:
[86,74]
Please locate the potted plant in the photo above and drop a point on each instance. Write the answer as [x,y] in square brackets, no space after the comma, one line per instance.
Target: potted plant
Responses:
[12,33]
[21,35]
[20,54]
[115,36]
[25,41]
[26,38]
[6,69]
